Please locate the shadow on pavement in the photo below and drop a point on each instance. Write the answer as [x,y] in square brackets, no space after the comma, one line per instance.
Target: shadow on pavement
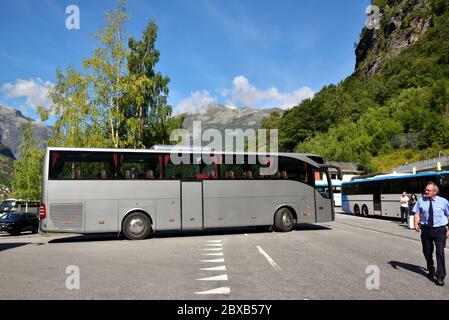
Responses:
[88,238]
[310,227]
[178,234]
[409,267]
[7,246]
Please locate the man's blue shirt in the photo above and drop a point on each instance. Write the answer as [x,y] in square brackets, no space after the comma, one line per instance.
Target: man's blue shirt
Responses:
[440,211]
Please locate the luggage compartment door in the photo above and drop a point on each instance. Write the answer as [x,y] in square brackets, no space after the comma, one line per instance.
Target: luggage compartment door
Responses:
[192,205]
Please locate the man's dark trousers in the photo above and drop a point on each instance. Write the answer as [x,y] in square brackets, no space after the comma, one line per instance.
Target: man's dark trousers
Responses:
[429,237]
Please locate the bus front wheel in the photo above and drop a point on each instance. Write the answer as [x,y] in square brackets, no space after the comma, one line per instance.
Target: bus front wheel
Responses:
[136,226]
[284,220]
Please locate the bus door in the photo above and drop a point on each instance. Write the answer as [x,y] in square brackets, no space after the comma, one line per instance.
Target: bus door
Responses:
[324,202]
[443,182]
[377,199]
[192,205]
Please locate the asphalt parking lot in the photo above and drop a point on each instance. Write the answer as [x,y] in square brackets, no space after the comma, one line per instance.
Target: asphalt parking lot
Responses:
[351,258]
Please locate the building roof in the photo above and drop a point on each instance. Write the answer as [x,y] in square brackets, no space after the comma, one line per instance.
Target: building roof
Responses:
[347,167]
[426,165]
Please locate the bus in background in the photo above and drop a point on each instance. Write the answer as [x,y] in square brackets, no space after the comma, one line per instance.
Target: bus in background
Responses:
[138,192]
[14,205]
[336,190]
[379,195]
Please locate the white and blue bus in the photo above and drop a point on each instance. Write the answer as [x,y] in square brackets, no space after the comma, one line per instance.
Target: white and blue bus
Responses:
[380,195]
[323,186]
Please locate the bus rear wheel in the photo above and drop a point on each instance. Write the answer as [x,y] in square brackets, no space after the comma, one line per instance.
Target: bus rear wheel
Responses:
[365,211]
[284,220]
[357,210]
[136,226]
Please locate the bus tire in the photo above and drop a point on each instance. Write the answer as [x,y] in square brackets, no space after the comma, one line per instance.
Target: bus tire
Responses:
[365,211]
[357,210]
[136,226]
[284,220]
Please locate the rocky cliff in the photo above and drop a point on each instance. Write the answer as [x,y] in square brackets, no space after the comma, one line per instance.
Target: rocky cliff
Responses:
[402,23]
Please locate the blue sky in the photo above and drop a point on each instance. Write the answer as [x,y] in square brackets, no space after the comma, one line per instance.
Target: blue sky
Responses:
[239,53]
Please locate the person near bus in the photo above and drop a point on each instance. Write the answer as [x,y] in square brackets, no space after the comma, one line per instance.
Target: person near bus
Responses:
[128,175]
[431,218]
[284,175]
[411,203]
[149,175]
[404,207]
[78,175]
[103,175]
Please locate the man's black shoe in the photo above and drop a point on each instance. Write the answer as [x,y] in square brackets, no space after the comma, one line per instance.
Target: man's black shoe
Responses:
[439,282]
[431,274]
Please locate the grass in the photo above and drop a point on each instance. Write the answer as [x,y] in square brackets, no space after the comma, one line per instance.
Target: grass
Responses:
[400,157]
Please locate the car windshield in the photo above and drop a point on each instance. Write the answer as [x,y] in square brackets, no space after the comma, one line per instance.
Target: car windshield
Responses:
[7,206]
[10,216]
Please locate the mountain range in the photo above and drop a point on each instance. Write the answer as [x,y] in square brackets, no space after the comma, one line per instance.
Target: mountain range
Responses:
[211,116]
[11,121]
[220,117]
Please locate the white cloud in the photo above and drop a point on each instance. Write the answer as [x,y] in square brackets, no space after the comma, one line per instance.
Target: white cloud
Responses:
[34,90]
[245,94]
[195,101]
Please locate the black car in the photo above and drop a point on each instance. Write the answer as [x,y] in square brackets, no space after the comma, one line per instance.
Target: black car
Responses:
[16,222]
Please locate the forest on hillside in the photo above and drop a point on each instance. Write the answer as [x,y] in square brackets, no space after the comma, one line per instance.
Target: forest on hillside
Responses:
[395,114]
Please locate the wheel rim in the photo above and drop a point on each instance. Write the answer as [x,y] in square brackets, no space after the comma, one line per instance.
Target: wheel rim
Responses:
[286,220]
[136,226]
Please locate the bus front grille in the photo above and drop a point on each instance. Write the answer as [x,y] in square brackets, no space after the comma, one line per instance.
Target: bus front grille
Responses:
[67,215]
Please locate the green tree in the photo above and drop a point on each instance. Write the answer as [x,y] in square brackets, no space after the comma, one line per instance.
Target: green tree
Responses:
[148,105]
[117,100]
[78,120]
[107,74]
[28,168]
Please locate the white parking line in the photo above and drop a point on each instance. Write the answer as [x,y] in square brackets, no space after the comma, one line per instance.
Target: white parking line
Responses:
[220,268]
[270,260]
[218,248]
[222,290]
[223,277]
[214,260]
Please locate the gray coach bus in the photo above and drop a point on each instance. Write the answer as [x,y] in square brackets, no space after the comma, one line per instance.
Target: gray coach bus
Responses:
[138,192]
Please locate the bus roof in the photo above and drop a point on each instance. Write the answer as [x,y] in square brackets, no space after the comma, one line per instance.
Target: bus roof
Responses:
[314,159]
[325,184]
[397,176]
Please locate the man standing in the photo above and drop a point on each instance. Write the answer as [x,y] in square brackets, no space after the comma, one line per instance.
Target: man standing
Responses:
[404,207]
[431,212]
